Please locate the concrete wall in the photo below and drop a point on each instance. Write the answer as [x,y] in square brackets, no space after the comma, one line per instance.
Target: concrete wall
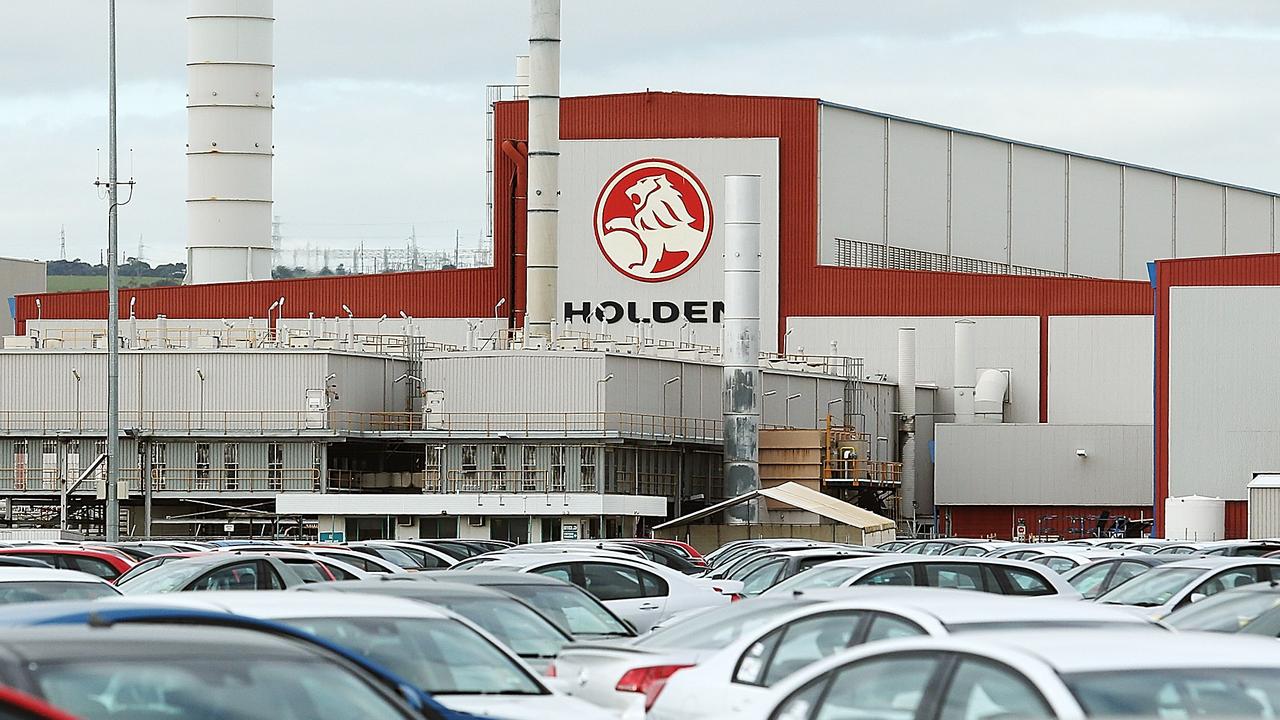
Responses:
[1223,388]
[1100,369]
[1039,465]
[906,184]
[1000,342]
[18,277]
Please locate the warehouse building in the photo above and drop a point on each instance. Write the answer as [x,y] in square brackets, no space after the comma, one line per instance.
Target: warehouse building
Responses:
[874,223]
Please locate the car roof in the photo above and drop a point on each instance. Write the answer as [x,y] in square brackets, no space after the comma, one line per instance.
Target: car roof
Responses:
[1217,562]
[124,641]
[965,607]
[25,574]
[400,585]
[1072,651]
[61,550]
[283,605]
[491,577]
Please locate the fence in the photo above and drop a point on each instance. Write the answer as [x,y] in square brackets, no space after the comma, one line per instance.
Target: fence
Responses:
[175,480]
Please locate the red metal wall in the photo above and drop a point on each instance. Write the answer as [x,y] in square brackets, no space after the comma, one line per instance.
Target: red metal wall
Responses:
[1243,270]
[1000,520]
[435,293]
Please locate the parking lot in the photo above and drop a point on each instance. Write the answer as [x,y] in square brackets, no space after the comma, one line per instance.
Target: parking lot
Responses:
[778,629]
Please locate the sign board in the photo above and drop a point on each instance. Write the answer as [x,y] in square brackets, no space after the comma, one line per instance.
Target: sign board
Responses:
[229,528]
[335,537]
[641,235]
[569,531]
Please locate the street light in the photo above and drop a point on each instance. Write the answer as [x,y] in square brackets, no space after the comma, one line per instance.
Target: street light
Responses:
[830,403]
[600,384]
[499,304]
[787,407]
[200,374]
[764,404]
[76,373]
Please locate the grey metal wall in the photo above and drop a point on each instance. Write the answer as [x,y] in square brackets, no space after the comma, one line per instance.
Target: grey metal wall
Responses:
[1038,465]
[528,382]
[18,277]
[1223,388]
[166,380]
[907,184]
[1100,369]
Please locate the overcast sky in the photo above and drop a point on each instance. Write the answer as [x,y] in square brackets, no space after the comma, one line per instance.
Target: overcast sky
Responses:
[379,121]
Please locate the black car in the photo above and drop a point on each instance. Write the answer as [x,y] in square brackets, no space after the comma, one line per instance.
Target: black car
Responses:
[514,622]
[569,606]
[1096,578]
[149,671]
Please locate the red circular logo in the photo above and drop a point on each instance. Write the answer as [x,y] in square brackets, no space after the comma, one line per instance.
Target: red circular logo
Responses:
[653,220]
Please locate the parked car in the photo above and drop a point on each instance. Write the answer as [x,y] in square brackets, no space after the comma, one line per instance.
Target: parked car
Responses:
[986,574]
[685,549]
[1021,551]
[1043,674]
[1172,586]
[638,591]
[1066,559]
[125,670]
[437,651]
[976,549]
[1178,549]
[893,545]
[215,571]
[20,585]
[935,546]
[15,561]
[426,557]
[368,562]
[726,661]
[457,549]
[100,563]
[1233,611]
[733,569]
[1100,576]
[566,604]
[1240,548]
[765,571]
[514,622]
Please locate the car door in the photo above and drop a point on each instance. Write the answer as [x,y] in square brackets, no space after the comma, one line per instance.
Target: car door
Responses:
[235,576]
[981,688]
[957,576]
[621,589]
[885,687]
[1021,581]
[897,575]
[1228,579]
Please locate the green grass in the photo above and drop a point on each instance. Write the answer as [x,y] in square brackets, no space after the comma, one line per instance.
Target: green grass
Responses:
[69,283]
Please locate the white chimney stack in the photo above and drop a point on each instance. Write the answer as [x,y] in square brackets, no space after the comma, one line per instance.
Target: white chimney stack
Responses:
[544,173]
[230,79]
[741,332]
[522,77]
[965,372]
[907,410]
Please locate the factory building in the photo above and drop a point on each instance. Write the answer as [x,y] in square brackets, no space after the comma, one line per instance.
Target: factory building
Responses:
[1020,271]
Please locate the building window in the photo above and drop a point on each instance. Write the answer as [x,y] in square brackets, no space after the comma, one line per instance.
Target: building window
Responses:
[73,461]
[470,478]
[556,483]
[202,466]
[438,527]
[231,466]
[20,465]
[498,467]
[587,469]
[529,468]
[49,464]
[275,466]
[432,470]
[511,529]
[159,454]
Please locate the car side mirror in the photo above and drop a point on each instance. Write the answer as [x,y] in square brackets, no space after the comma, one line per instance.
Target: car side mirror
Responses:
[1197,597]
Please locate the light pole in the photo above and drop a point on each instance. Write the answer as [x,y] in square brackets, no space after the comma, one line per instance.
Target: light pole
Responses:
[498,306]
[765,403]
[39,310]
[829,404]
[666,385]
[271,309]
[787,408]
[279,316]
[200,374]
[351,325]
[112,516]
[76,373]
[599,385]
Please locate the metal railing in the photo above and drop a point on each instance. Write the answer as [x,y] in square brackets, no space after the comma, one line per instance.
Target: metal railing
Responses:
[175,480]
[631,425]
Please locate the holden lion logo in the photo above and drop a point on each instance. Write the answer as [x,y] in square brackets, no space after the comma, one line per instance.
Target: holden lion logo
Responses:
[653,220]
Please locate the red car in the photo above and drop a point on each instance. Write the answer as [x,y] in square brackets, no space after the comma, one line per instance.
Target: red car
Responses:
[20,706]
[106,565]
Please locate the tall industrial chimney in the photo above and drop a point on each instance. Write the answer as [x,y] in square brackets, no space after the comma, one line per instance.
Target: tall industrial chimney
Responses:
[522,77]
[741,350]
[907,411]
[230,77]
[544,160]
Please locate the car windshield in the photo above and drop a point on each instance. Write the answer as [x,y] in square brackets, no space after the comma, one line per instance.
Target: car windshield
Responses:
[40,591]
[815,579]
[570,608]
[714,630]
[1224,612]
[244,688]
[1152,588]
[527,633]
[395,555]
[1177,693]
[166,578]
[438,655]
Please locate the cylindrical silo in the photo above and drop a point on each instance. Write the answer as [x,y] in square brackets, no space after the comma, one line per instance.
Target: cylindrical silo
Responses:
[230,77]
[741,350]
[1194,518]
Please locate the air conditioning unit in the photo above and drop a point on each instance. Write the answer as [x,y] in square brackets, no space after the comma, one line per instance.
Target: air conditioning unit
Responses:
[405,520]
[476,521]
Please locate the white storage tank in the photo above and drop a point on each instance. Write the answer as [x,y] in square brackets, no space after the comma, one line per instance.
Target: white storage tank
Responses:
[1194,518]
[1264,505]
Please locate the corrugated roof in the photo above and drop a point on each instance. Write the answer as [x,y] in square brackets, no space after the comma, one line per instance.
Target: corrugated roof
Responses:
[802,498]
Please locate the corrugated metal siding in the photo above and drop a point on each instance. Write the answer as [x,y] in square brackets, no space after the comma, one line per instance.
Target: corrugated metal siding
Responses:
[650,115]
[435,293]
[1261,269]
[1263,511]
[1000,521]
[531,382]
[1236,524]
[1090,386]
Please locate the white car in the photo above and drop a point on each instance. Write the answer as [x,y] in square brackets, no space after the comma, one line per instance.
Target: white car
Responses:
[426,557]
[460,665]
[364,561]
[992,575]
[638,591]
[1060,674]
[1163,589]
[1066,558]
[23,584]
[728,660]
